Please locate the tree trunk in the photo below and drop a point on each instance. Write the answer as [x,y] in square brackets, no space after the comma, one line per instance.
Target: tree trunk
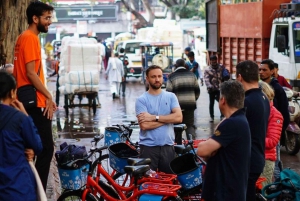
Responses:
[12,22]
[149,11]
[138,16]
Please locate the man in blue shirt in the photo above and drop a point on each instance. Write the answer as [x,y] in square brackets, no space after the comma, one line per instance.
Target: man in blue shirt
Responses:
[228,151]
[156,111]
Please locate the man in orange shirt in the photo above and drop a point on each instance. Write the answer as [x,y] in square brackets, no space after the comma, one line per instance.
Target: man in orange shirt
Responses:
[29,71]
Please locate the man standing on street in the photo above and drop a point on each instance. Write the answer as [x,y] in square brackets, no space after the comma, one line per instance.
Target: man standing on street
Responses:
[194,66]
[228,151]
[280,101]
[185,86]
[29,71]
[213,79]
[115,74]
[157,111]
[258,112]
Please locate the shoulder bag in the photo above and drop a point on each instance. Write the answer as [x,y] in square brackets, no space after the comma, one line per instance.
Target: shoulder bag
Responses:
[27,95]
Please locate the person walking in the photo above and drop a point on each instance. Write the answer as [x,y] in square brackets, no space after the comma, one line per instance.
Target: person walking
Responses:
[258,112]
[157,111]
[228,151]
[19,143]
[185,86]
[194,67]
[124,60]
[273,134]
[29,71]
[266,71]
[213,79]
[56,72]
[115,74]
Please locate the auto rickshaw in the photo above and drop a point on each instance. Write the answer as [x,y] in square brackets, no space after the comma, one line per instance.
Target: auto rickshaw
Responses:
[160,54]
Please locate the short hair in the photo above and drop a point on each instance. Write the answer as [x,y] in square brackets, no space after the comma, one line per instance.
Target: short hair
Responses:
[153,67]
[267,89]
[234,93]
[116,54]
[188,49]
[191,54]
[122,50]
[36,8]
[248,70]
[269,62]
[275,65]
[7,83]
[180,62]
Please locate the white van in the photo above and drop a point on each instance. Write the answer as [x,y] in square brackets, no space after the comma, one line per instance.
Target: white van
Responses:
[132,50]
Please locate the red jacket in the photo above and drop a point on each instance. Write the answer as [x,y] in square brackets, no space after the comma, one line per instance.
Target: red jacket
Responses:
[273,133]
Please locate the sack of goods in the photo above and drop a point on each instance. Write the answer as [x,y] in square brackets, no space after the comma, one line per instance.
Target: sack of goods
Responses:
[80,65]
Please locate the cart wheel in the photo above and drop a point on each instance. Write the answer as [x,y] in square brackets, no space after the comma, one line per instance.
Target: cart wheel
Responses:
[94,105]
[67,105]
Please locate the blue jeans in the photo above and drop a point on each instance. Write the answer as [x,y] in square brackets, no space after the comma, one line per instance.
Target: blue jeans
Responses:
[277,169]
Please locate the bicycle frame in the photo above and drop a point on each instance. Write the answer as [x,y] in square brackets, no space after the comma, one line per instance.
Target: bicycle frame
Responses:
[167,190]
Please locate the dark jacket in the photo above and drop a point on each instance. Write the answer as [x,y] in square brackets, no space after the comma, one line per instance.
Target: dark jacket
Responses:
[185,86]
[281,102]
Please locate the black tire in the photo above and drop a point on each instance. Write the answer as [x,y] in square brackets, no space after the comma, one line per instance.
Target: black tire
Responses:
[108,189]
[75,195]
[94,105]
[292,143]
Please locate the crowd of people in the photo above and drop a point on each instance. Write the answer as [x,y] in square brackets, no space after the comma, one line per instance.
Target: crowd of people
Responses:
[244,145]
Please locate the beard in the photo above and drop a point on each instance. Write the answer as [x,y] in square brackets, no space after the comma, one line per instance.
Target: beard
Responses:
[42,28]
[153,86]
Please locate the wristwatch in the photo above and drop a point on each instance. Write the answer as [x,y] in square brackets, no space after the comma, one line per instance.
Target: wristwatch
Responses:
[156,118]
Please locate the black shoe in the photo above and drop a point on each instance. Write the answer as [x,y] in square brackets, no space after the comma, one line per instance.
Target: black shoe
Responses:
[114,95]
[211,119]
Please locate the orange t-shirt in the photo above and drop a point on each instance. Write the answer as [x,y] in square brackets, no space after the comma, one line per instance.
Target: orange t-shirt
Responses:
[28,49]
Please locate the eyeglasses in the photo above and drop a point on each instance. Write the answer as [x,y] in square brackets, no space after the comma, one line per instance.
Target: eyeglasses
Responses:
[47,18]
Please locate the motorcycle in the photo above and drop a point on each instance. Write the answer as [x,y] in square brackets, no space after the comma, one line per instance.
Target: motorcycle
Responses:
[291,139]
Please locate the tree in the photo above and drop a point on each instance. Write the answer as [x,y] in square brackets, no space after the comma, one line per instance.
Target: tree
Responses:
[12,22]
[185,8]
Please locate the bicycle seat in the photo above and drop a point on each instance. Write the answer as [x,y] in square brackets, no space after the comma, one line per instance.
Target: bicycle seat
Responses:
[181,149]
[137,171]
[138,161]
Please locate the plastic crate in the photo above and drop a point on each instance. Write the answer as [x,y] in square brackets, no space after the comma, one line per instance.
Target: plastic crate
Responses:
[73,179]
[112,135]
[189,174]
[118,155]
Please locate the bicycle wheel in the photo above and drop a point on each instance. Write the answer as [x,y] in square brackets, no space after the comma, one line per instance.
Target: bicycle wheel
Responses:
[75,195]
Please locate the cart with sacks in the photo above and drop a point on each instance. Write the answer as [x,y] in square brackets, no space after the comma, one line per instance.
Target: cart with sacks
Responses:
[80,66]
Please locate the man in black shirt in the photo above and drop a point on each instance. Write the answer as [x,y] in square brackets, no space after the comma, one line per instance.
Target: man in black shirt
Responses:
[266,71]
[227,152]
[257,113]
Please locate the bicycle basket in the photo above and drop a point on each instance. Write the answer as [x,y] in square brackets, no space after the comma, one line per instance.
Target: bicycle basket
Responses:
[73,179]
[118,155]
[189,174]
[112,135]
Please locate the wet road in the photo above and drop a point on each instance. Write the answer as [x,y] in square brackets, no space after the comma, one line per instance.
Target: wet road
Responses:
[81,125]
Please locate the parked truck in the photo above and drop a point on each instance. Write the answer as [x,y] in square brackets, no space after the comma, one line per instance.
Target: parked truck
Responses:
[255,30]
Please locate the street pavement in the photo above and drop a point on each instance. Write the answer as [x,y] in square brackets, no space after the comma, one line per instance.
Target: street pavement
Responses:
[81,125]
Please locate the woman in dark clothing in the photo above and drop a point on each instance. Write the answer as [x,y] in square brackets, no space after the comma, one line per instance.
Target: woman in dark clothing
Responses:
[19,142]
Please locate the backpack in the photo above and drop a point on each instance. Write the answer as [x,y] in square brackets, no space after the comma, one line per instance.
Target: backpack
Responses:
[225,73]
[70,153]
[287,187]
